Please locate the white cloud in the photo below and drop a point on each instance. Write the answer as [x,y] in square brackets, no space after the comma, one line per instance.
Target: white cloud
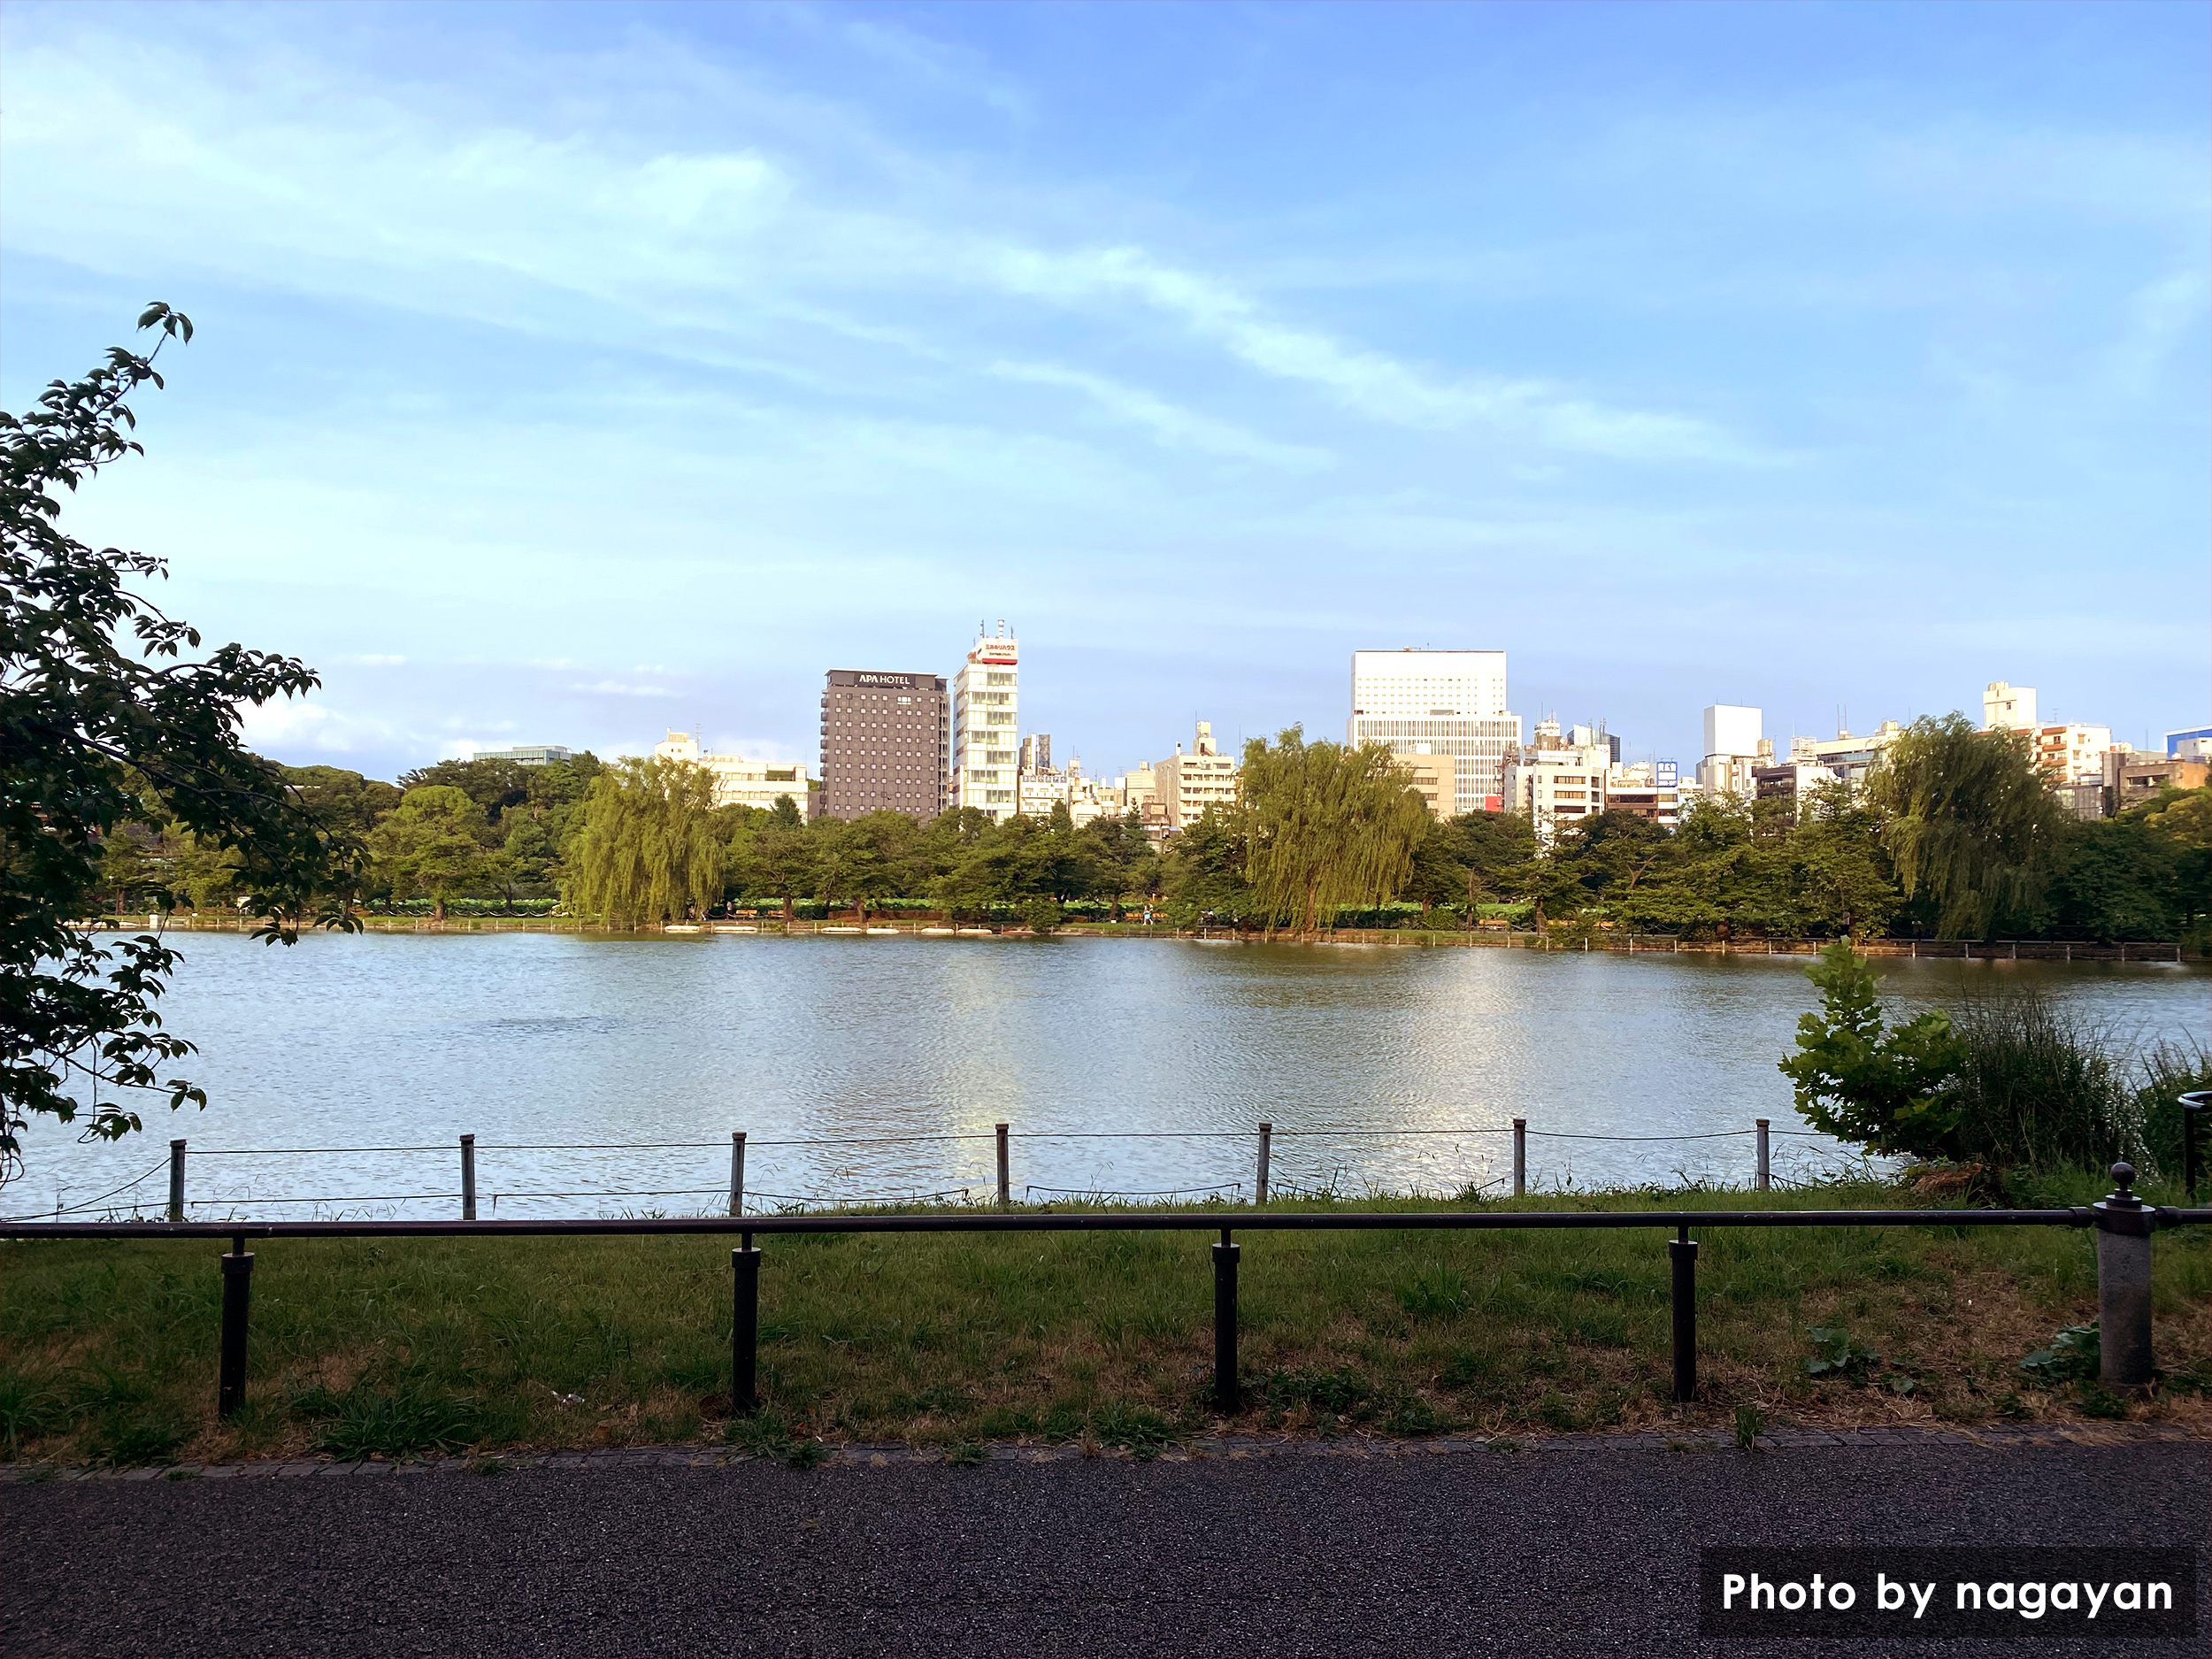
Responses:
[333,189]
[615,688]
[1174,427]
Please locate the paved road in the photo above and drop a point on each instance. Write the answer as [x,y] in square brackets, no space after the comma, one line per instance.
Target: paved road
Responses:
[1576,1552]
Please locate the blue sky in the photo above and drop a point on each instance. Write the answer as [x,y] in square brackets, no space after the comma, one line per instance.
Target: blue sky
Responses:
[567,374]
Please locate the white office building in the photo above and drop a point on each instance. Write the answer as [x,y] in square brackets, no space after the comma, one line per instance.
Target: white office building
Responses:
[1443,703]
[986,720]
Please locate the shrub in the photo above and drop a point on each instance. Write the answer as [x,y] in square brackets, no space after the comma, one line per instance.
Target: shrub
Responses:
[1889,1090]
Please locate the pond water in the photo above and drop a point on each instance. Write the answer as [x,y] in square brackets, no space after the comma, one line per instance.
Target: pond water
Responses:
[605,1074]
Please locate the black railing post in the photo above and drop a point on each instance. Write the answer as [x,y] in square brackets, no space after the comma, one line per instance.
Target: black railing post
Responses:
[1226,1326]
[230,1385]
[1682,1252]
[2192,1110]
[176,1180]
[744,1329]
[2124,1284]
[1005,1186]
[1520,1155]
[468,1178]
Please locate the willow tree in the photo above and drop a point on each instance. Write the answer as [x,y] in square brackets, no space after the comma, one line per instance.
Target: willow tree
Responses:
[1325,826]
[1968,823]
[646,849]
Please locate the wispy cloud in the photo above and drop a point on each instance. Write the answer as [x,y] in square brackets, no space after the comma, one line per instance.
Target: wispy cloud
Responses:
[1173,426]
[617,688]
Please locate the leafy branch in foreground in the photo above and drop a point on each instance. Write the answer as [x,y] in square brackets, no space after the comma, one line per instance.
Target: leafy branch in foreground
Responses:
[112,714]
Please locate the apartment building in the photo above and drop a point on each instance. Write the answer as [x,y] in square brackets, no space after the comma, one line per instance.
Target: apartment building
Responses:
[1649,790]
[1435,779]
[1186,785]
[1446,703]
[1553,783]
[986,725]
[2067,753]
[884,741]
[742,782]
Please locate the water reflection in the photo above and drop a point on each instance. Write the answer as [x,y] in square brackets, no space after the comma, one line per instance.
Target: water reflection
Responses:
[576,1060]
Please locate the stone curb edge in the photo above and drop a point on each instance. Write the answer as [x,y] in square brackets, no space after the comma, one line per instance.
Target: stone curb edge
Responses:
[1227,1448]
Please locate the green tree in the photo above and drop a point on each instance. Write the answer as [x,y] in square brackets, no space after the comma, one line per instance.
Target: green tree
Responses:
[1324,826]
[1968,823]
[1889,1090]
[103,699]
[866,860]
[1840,875]
[431,843]
[1202,873]
[494,784]
[647,850]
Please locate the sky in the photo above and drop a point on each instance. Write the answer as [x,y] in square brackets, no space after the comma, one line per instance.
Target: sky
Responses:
[571,373]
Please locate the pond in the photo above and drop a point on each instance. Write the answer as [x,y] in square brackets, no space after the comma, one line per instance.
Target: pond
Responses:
[605,1074]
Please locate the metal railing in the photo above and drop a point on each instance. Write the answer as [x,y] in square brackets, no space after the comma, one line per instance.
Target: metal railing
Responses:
[2123,1222]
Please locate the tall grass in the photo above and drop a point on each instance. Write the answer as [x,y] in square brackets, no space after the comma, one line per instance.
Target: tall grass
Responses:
[2164,1075]
[2041,1089]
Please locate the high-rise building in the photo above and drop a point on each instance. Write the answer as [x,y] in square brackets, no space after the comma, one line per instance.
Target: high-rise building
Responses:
[986,720]
[1443,704]
[884,740]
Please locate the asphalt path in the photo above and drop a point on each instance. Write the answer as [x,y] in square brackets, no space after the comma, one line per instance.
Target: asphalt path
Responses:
[1586,1552]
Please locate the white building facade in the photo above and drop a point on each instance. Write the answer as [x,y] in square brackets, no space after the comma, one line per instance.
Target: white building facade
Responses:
[1186,785]
[986,721]
[1734,749]
[1445,703]
[739,781]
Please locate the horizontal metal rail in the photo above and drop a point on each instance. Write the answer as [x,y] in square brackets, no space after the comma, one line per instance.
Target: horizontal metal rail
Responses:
[1083,1221]
[2125,1225]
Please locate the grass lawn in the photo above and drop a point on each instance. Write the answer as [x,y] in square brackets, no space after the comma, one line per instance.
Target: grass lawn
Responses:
[396,1347]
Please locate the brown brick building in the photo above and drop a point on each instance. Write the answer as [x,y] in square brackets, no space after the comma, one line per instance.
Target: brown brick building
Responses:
[886,743]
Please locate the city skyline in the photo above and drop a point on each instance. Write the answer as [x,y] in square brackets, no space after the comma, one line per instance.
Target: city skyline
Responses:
[567,374]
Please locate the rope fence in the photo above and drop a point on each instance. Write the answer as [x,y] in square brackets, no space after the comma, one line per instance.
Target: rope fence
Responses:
[739,1196]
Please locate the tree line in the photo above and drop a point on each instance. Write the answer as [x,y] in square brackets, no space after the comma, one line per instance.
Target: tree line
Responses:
[1952,836]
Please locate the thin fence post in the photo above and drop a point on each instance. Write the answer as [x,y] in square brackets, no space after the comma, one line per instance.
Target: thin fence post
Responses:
[744,1328]
[1004,1192]
[1682,1252]
[1763,1178]
[2124,1284]
[176,1180]
[1520,1156]
[230,1384]
[737,1171]
[468,1178]
[1226,1326]
[1259,1186]
[2193,1105]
